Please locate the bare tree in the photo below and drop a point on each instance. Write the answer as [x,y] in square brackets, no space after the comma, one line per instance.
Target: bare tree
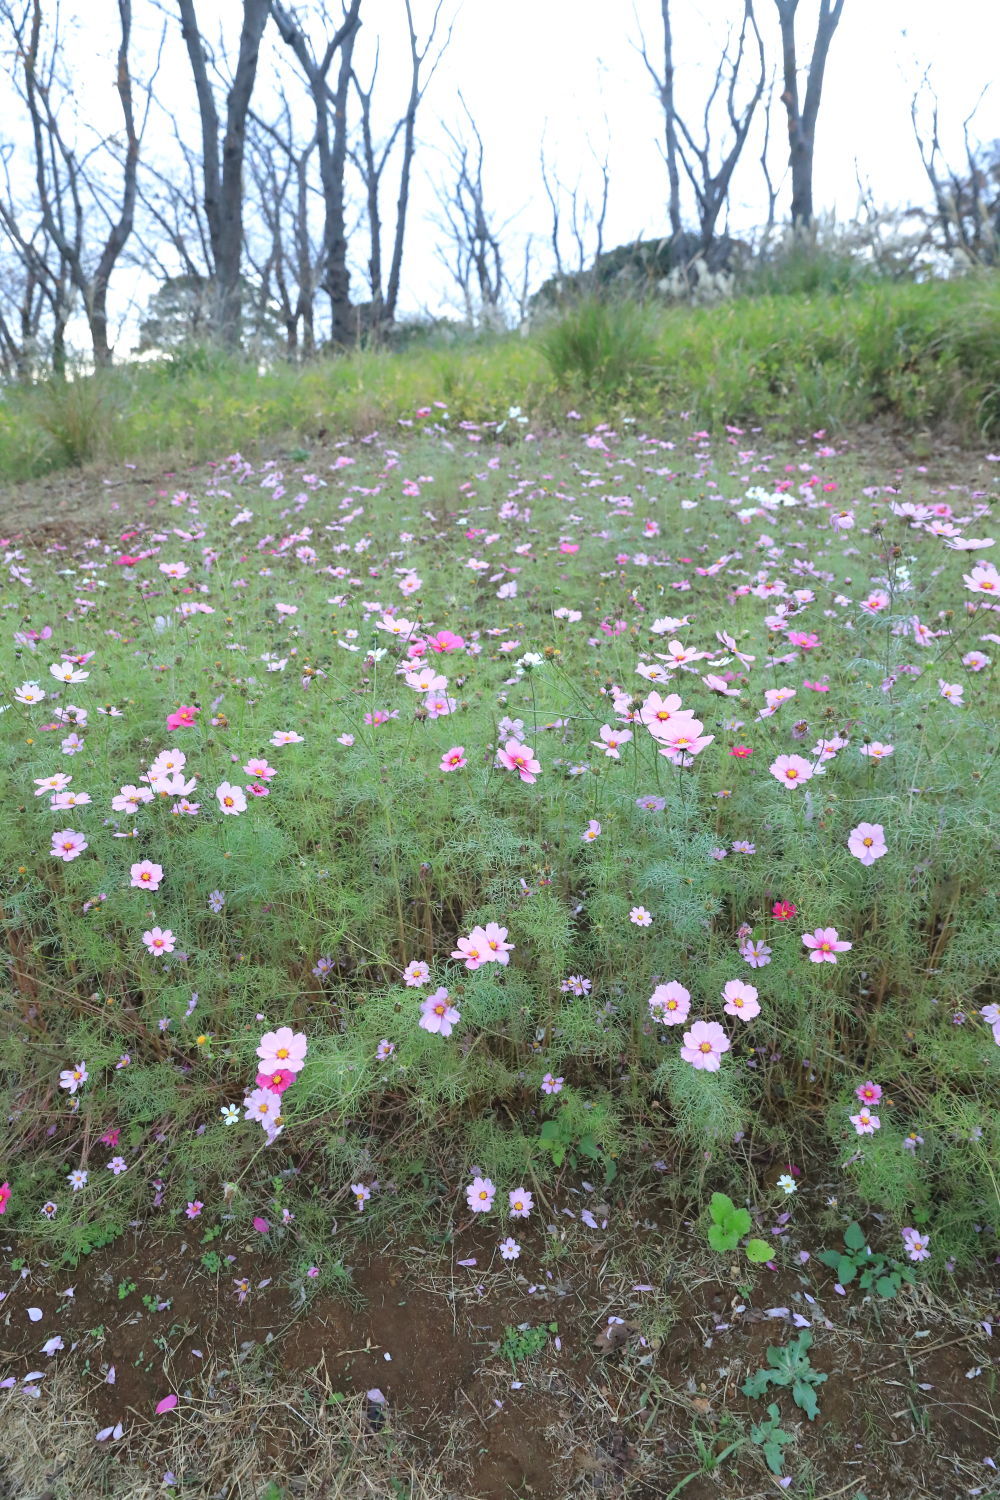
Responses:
[473,257]
[967,199]
[69,186]
[802,117]
[711,187]
[222,159]
[371,163]
[289,266]
[663,82]
[331,146]
[585,219]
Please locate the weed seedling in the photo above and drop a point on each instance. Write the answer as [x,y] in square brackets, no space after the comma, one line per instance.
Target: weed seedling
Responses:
[790,1367]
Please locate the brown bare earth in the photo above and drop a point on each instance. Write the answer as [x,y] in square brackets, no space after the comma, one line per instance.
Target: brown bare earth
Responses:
[272,1390]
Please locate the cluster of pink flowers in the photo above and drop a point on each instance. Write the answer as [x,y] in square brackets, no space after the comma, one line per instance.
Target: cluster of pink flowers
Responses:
[705,1043]
[282,1055]
[484,945]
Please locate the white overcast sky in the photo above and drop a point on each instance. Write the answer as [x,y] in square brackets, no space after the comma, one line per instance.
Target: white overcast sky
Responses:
[569,69]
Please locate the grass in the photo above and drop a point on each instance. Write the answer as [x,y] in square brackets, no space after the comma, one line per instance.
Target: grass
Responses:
[922,356]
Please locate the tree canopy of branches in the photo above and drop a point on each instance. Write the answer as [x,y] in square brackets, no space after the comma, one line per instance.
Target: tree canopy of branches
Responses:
[803,112]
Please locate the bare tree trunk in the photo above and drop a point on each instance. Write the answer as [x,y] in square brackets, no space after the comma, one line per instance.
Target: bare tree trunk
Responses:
[223,172]
[122,229]
[332,152]
[802,121]
[664,85]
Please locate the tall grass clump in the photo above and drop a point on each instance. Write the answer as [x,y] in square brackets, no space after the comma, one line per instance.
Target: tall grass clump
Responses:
[606,346]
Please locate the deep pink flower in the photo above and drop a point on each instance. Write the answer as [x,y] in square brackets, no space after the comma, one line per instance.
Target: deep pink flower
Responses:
[182,718]
[275,1079]
[520,758]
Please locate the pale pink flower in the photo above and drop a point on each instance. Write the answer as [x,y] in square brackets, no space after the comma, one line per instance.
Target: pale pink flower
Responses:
[286,737]
[416,973]
[877,750]
[480,1194]
[361,1195]
[72,1078]
[494,940]
[917,1245]
[591,832]
[984,579]
[283,1049]
[953,691]
[67,845]
[824,945]
[551,1085]
[159,940]
[865,1123]
[262,1105]
[704,1045]
[741,1000]
[438,1015]
[521,1202]
[519,758]
[258,767]
[146,876]
[611,740]
[509,1248]
[791,770]
[670,1003]
[640,917]
[867,842]
[232,799]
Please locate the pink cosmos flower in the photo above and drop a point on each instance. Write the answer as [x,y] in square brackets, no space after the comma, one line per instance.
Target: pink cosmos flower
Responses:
[756,954]
[416,974]
[876,750]
[471,949]
[791,770]
[146,876]
[519,758]
[670,1003]
[4,1196]
[611,740]
[865,1123]
[867,842]
[275,1079]
[118,1165]
[438,1015]
[159,940]
[551,1085]
[67,845]
[917,1245]
[824,945]
[869,1093]
[741,1000]
[182,718]
[454,759]
[953,691]
[286,737]
[72,1078]
[521,1202]
[480,1194]
[783,911]
[361,1193]
[194,1209]
[640,917]
[704,1045]
[263,1105]
[283,1049]
[258,767]
[509,1248]
[232,799]
[444,641]
[591,832]
[494,941]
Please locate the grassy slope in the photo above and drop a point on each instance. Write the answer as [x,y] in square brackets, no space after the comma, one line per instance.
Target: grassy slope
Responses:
[924,356]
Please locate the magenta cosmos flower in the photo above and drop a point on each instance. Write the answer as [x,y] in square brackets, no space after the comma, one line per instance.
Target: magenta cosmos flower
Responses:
[454,759]
[670,1003]
[704,1045]
[282,1049]
[867,842]
[791,770]
[824,945]
[519,758]
[741,1000]
[183,718]
[437,1014]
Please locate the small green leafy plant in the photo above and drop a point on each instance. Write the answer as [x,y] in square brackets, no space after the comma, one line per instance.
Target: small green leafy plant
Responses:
[560,1140]
[520,1344]
[771,1439]
[790,1367]
[124,1288]
[729,1225]
[857,1261]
